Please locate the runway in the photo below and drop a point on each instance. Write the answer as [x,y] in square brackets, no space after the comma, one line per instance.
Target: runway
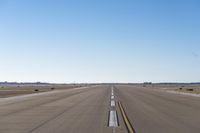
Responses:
[152,111]
[97,110]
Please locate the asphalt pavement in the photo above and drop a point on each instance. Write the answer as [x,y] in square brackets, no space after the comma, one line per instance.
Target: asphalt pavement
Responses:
[101,109]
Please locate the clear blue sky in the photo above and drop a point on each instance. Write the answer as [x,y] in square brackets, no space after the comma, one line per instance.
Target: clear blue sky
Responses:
[100,40]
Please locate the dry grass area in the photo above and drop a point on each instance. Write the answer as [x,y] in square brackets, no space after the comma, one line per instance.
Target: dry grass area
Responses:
[193,90]
[185,88]
[9,91]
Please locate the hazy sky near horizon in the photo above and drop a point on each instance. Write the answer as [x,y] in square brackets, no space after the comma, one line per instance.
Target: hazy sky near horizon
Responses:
[100,40]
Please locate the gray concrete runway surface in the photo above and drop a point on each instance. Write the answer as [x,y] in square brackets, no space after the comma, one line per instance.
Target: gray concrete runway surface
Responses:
[97,110]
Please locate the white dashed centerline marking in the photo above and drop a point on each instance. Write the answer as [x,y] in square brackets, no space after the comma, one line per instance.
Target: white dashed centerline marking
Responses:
[113,120]
[112,92]
[112,97]
[112,103]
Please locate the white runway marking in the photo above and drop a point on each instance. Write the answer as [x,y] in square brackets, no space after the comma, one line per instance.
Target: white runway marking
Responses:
[112,92]
[112,97]
[113,121]
[112,103]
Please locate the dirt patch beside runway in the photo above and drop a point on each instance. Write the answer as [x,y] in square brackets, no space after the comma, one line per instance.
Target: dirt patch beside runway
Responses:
[16,90]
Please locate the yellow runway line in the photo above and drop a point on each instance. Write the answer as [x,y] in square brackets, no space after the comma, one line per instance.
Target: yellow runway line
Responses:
[126,120]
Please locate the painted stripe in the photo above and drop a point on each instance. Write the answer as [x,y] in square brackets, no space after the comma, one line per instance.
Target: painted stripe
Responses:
[112,90]
[113,120]
[126,120]
[112,103]
[112,97]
